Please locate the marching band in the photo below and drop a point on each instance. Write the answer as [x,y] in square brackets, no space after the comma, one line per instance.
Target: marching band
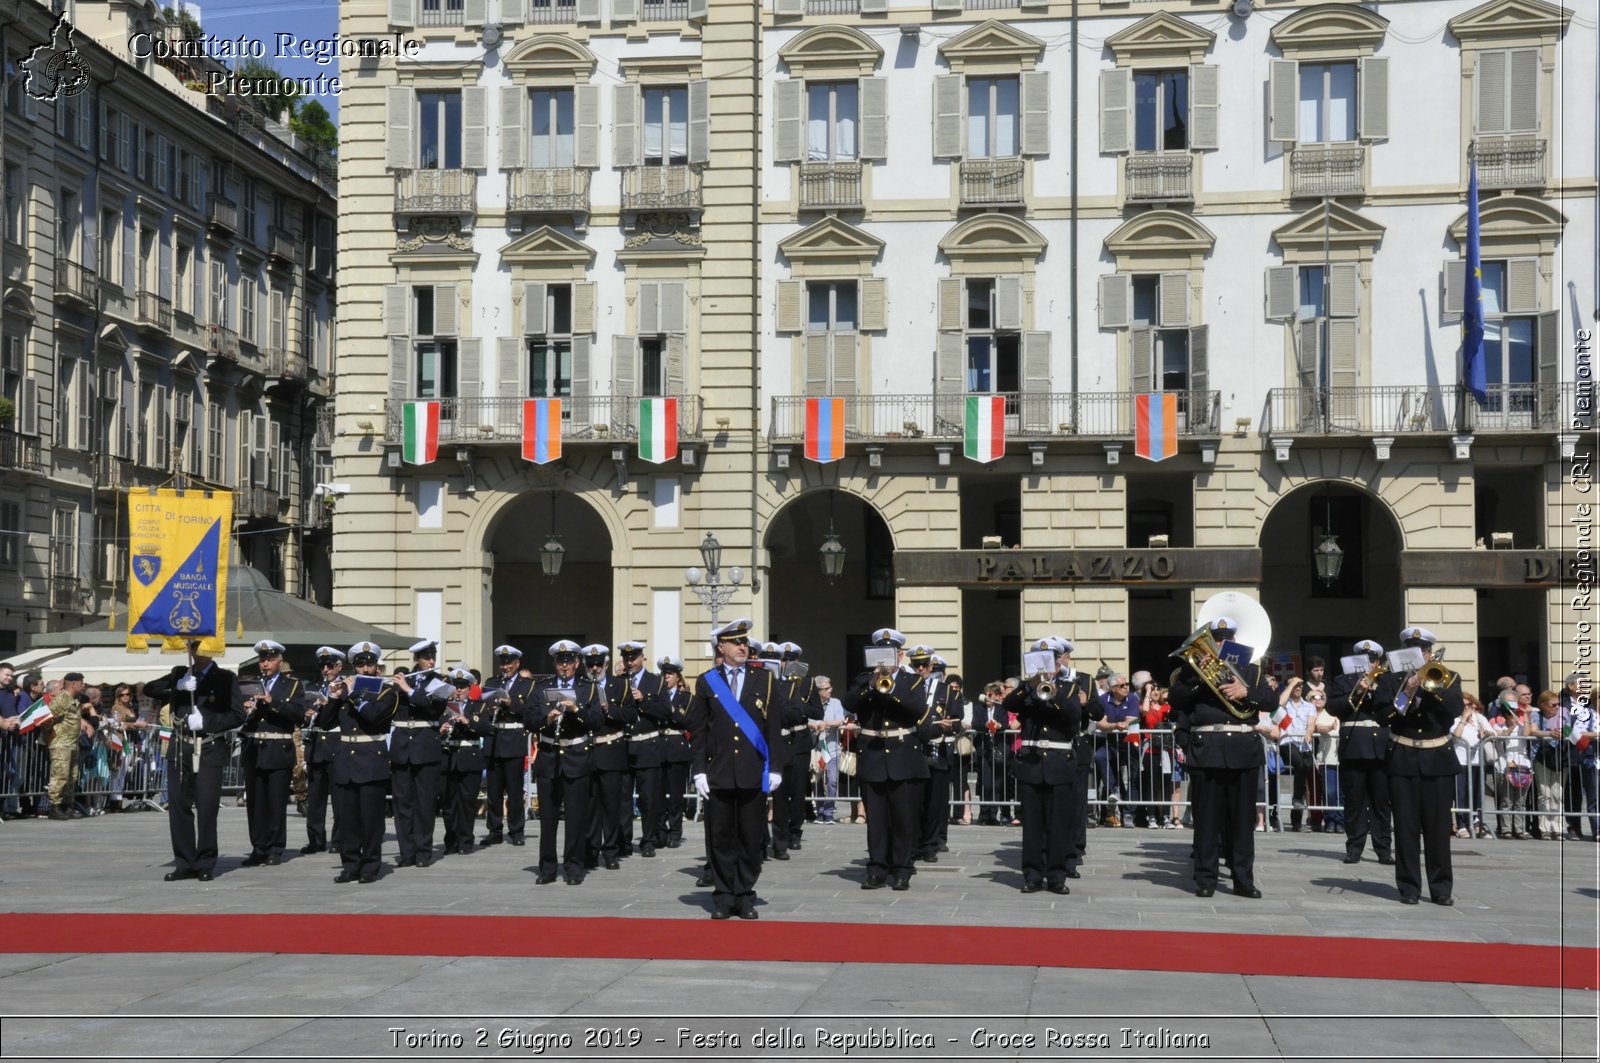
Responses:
[602,737]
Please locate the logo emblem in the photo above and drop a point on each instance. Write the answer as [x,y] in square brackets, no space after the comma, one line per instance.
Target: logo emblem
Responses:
[55,69]
[146,567]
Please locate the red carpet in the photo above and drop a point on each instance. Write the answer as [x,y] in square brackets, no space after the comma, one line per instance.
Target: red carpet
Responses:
[1549,966]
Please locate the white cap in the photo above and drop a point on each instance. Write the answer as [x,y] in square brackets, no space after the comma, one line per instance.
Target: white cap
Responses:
[1063,645]
[594,649]
[269,648]
[939,663]
[324,652]
[791,650]
[1222,623]
[733,629]
[920,652]
[507,652]
[889,635]
[425,648]
[561,646]
[1419,634]
[459,670]
[1368,646]
[631,647]
[365,649]
[670,663]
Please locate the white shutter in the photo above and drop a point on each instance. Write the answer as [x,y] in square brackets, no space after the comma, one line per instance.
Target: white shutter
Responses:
[698,10]
[474,128]
[583,307]
[624,11]
[164,269]
[402,12]
[874,7]
[1116,111]
[1522,286]
[588,12]
[874,96]
[1344,290]
[1454,283]
[647,317]
[28,407]
[952,303]
[1283,101]
[260,426]
[846,358]
[788,120]
[1374,82]
[510,364]
[1008,304]
[625,126]
[1199,373]
[399,368]
[788,8]
[533,300]
[1491,80]
[874,303]
[130,245]
[1174,300]
[396,310]
[1141,353]
[791,300]
[1036,380]
[1035,93]
[163,163]
[277,478]
[674,307]
[582,385]
[1116,300]
[1343,352]
[130,415]
[1204,102]
[513,120]
[475,12]
[1308,352]
[587,151]
[676,344]
[817,360]
[513,12]
[444,310]
[700,121]
[949,94]
[1547,350]
[625,367]
[1522,113]
[1282,293]
[398,153]
[949,377]
[469,370]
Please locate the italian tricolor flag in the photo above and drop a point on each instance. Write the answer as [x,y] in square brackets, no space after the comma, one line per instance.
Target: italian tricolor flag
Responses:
[658,430]
[541,430]
[38,715]
[1281,717]
[985,437]
[164,734]
[115,740]
[420,433]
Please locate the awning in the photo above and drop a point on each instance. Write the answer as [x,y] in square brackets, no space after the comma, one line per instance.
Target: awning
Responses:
[113,664]
[28,660]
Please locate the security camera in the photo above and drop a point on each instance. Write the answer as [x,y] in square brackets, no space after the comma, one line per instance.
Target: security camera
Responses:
[1242,8]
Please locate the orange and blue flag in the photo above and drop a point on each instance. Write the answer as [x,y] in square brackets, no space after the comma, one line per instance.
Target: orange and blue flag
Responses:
[824,429]
[1155,425]
[541,430]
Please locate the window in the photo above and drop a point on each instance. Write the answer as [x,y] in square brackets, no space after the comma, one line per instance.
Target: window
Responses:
[550,353]
[64,543]
[185,172]
[666,126]
[68,223]
[1327,102]
[217,311]
[831,121]
[117,443]
[12,364]
[247,209]
[277,337]
[14,82]
[1161,110]
[149,276]
[992,352]
[994,117]
[182,296]
[247,308]
[185,440]
[435,358]
[439,130]
[831,306]
[1508,91]
[1509,336]
[146,452]
[11,533]
[110,229]
[16,206]
[1169,346]
[553,128]
[147,154]
[216,442]
[1312,303]
[652,366]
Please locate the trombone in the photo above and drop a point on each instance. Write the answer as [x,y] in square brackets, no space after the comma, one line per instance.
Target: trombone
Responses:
[1434,676]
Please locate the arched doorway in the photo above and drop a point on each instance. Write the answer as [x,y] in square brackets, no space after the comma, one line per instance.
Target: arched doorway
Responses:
[1312,616]
[834,621]
[530,611]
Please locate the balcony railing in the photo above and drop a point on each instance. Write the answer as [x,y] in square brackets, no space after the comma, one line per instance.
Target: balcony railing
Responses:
[112,471]
[675,187]
[989,5]
[222,342]
[223,213]
[1446,409]
[991,182]
[435,192]
[1029,415]
[830,185]
[441,13]
[154,311]
[19,452]
[258,503]
[552,11]
[1160,177]
[282,245]
[833,7]
[561,189]
[1510,162]
[599,418]
[75,282]
[66,593]
[664,11]
[285,365]
[323,440]
[1327,170]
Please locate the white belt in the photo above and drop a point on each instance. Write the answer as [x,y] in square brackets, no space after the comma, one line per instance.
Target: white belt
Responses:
[641,738]
[796,729]
[605,740]
[1363,723]
[273,734]
[416,723]
[543,741]
[461,745]
[1422,743]
[1232,727]
[363,738]
[1039,743]
[943,739]
[516,726]
[899,732]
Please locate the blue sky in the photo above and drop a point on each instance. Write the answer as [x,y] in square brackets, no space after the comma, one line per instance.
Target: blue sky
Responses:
[263,21]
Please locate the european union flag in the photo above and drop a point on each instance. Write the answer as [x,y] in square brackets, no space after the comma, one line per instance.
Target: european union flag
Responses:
[1472,367]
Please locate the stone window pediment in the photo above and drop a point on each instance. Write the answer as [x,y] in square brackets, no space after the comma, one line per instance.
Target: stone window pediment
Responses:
[1162,37]
[548,56]
[1334,222]
[1333,30]
[994,238]
[546,246]
[992,45]
[831,51]
[1161,232]
[1514,19]
[831,239]
[1512,218]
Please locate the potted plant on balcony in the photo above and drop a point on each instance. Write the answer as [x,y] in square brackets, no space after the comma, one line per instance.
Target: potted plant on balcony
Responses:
[8,412]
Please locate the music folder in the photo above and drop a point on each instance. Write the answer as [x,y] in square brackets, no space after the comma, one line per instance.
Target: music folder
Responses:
[366,686]
[251,688]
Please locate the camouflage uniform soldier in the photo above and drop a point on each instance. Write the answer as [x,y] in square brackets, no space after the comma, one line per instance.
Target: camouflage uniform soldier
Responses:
[65,708]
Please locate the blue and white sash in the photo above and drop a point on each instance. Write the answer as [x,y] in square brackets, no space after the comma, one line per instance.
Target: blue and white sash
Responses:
[741,719]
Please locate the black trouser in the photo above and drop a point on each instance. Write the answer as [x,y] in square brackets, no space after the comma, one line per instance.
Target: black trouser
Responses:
[192,808]
[735,821]
[1046,831]
[319,787]
[460,808]
[893,811]
[935,812]
[606,815]
[555,794]
[505,786]
[1078,813]
[1365,786]
[652,816]
[416,796]
[267,810]
[800,769]
[625,814]
[1422,825]
[789,795]
[991,789]
[676,780]
[361,825]
[1225,821]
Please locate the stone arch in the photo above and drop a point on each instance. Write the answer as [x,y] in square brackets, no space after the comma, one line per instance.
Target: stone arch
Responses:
[551,53]
[833,45]
[993,234]
[1353,469]
[1342,25]
[1162,230]
[485,519]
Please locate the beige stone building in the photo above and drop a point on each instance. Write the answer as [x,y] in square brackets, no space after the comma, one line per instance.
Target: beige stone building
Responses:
[1256,208]
[166,317]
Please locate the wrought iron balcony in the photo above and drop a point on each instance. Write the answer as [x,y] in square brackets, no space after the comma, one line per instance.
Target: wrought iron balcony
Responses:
[833,7]
[154,311]
[830,185]
[1511,162]
[1160,177]
[991,182]
[323,439]
[675,187]
[74,282]
[596,419]
[1029,415]
[222,342]
[435,192]
[1421,410]
[19,452]
[556,11]
[285,365]
[66,593]
[1327,170]
[284,246]
[255,503]
[552,190]
[664,11]
[441,13]
[222,213]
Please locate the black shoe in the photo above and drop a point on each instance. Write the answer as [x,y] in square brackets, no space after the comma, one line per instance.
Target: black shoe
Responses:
[674,843]
[253,860]
[545,878]
[425,860]
[780,854]
[901,884]
[1443,902]
[626,850]
[179,876]
[1408,900]
[613,865]
[574,880]
[1247,891]
[1073,872]
[203,876]
[704,882]
[1205,891]
[870,883]
[273,860]
[492,839]
[1058,887]
[795,846]
[1032,887]
[517,841]
[943,848]
[307,850]
[58,813]
[747,911]
[345,876]
[466,848]
[1386,860]
[722,913]
[647,850]
[1352,858]
[406,861]
[931,858]
[369,878]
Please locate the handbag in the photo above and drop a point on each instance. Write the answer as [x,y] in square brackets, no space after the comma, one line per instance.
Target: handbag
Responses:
[964,746]
[847,762]
[1519,778]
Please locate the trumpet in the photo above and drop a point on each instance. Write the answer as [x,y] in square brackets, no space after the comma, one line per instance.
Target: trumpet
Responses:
[883,681]
[1043,687]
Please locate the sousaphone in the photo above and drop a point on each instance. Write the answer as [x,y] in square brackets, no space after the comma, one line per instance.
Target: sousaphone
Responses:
[1201,653]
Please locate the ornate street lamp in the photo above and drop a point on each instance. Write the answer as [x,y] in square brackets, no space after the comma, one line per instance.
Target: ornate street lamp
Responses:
[552,552]
[831,552]
[708,586]
[1328,557]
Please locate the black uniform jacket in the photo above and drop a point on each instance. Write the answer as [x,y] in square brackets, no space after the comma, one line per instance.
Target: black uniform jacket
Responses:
[319,745]
[510,738]
[892,743]
[1050,729]
[363,724]
[219,700]
[802,706]
[674,739]
[278,712]
[1427,718]
[416,726]
[1362,732]
[461,735]
[646,736]
[719,750]
[1195,707]
[618,715]
[566,745]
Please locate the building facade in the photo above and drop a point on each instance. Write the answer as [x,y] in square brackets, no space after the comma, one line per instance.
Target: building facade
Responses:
[1257,209]
[167,318]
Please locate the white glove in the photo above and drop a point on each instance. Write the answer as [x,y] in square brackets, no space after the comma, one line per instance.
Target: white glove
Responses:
[701,786]
[196,721]
[774,780]
[188,682]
